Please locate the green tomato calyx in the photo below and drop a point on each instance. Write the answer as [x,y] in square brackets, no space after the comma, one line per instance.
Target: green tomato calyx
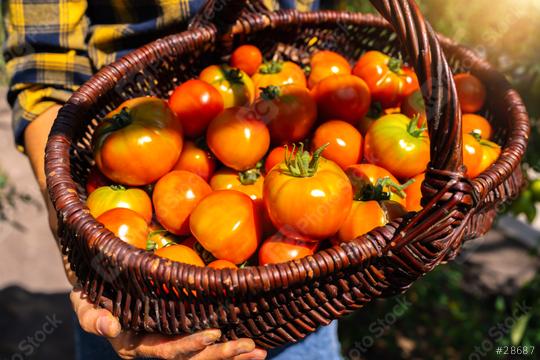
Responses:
[233,75]
[272,67]
[151,245]
[395,65]
[249,177]
[270,92]
[301,163]
[414,129]
[381,191]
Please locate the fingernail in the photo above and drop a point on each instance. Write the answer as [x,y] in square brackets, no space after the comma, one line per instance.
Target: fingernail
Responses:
[245,346]
[211,336]
[258,354]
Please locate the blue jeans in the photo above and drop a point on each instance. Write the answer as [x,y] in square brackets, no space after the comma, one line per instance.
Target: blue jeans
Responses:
[321,345]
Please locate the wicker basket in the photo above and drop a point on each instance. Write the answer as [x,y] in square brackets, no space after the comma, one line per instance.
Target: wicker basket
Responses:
[283,303]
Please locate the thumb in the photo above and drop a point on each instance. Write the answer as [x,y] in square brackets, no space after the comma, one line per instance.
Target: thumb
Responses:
[94,320]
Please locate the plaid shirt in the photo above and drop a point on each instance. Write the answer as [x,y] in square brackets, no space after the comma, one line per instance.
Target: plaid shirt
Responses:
[53,46]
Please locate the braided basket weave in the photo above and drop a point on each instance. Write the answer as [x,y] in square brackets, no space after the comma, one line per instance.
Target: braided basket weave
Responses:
[278,304]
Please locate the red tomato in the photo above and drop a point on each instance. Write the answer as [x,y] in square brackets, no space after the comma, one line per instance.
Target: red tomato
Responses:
[175,196]
[234,85]
[344,142]
[388,80]
[472,155]
[490,154]
[471,92]
[144,129]
[414,193]
[180,253]
[238,138]
[106,198]
[472,123]
[303,183]
[326,63]
[95,180]
[222,264]
[279,249]
[278,73]
[344,97]
[196,160]
[276,156]
[373,173]
[247,58]
[196,103]
[127,225]
[395,143]
[413,105]
[226,224]
[289,112]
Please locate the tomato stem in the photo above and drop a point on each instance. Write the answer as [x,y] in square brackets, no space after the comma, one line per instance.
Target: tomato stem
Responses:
[117,122]
[270,92]
[233,75]
[382,190]
[249,177]
[271,67]
[301,163]
[395,65]
[117,187]
[413,127]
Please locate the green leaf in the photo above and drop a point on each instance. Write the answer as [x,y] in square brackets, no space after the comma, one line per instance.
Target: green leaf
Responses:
[518,330]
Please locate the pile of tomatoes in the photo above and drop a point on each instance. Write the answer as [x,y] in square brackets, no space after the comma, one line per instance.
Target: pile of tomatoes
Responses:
[263,162]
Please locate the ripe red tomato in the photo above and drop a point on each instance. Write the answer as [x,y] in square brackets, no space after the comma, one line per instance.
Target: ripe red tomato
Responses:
[127,225]
[326,63]
[195,103]
[359,172]
[278,73]
[413,105]
[276,156]
[472,155]
[175,196]
[288,111]
[196,160]
[279,249]
[144,129]
[307,182]
[471,92]
[180,253]
[344,142]
[414,193]
[226,224]
[472,123]
[395,143]
[234,85]
[388,80]
[222,264]
[95,180]
[106,198]
[238,138]
[247,58]
[344,97]
[490,154]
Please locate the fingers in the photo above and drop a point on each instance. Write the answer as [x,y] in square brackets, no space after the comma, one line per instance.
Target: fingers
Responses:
[257,354]
[242,349]
[92,320]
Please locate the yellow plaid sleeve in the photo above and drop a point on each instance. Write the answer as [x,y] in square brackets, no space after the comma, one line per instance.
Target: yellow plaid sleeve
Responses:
[46,55]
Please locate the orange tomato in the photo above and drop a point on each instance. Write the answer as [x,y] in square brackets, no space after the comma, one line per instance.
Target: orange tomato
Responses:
[344,97]
[326,63]
[289,112]
[234,85]
[226,224]
[357,173]
[106,198]
[222,264]
[472,155]
[159,237]
[278,73]
[247,58]
[175,196]
[180,253]
[414,193]
[276,156]
[413,105]
[144,129]
[472,123]
[196,160]
[238,138]
[490,154]
[279,249]
[127,225]
[345,142]
[471,92]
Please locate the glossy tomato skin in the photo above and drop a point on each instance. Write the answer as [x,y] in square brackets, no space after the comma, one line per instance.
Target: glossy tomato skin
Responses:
[279,249]
[278,74]
[344,97]
[472,123]
[472,155]
[345,142]
[373,173]
[490,153]
[126,224]
[106,198]
[471,92]
[368,215]
[391,145]
[196,160]
[414,193]
[175,196]
[234,85]
[159,237]
[153,136]
[222,264]
[226,224]
[289,112]
[247,58]
[327,63]
[327,194]
[388,81]
[195,103]
[95,180]
[276,156]
[180,253]
[413,105]
[238,138]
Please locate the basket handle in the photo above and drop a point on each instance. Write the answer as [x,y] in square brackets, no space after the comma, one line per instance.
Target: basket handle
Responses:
[224,13]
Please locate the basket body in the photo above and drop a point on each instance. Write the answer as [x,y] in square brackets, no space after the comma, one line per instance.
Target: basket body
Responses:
[283,303]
